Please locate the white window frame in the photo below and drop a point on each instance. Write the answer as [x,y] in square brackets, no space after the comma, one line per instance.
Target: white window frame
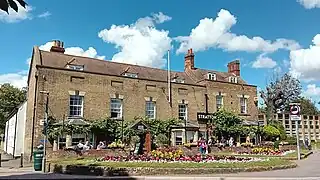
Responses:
[178,80]
[150,110]
[219,96]
[118,110]
[76,67]
[182,106]
[243,99]
[133,75]
[212,76]
[180,136]
[76,105]
[233,79]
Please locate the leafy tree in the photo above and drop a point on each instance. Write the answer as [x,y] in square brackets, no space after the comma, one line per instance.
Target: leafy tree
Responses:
[106,126]
[271,132]
[226,123]
[10,98]
[279,93]
[6,4]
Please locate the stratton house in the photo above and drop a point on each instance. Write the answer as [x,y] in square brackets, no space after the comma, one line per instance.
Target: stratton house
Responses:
[85,88]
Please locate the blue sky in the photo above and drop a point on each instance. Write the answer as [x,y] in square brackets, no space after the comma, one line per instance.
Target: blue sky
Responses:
[268,36]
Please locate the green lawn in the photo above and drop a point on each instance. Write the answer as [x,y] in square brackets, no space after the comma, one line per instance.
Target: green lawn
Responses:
[268,163]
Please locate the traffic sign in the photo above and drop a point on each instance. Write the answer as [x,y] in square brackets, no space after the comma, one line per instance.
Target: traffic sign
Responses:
[295,111]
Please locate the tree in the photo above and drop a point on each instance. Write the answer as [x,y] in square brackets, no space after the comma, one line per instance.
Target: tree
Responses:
[271,132]
[6,4]
[10,98]
[226,123]
[279,93]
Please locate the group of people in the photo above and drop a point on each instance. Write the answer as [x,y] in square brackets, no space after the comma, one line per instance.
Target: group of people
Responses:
[84,147]
[204,145]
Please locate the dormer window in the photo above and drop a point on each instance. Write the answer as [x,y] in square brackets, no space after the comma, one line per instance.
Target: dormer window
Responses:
[178,80]
[75,67]
[233,79]
[212,76]
[133,75]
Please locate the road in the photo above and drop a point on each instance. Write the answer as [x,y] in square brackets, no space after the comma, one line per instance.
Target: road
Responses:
[307,169]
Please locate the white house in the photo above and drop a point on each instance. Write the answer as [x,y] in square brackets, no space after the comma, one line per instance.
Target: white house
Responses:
[14,132]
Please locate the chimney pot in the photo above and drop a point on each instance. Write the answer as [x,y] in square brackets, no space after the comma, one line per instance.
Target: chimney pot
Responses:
[57,46]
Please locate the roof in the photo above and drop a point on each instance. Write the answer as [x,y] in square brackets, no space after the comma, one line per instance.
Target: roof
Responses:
[107,67]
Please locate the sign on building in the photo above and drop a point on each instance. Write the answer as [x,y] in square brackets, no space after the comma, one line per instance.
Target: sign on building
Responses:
[204,117]
[295,112]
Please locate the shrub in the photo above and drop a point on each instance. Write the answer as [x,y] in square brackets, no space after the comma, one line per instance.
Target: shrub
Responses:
[271,132]
[161,140]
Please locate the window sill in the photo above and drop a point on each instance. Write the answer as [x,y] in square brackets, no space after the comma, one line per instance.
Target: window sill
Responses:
[75,117]
[244,114]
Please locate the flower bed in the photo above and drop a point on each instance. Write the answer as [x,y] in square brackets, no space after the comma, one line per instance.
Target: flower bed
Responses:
[196,158]
[175,155]
[267,151]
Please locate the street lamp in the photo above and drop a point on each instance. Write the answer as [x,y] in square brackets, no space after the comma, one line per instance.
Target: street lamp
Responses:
[45,130]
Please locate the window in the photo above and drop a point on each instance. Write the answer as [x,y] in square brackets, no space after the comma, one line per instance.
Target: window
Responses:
[133,75]
[219,102]
[76,106]
[151,109]
[116,108]
[243,105]
[183,112]
[233,79]
[178,137]
[76,67]
[212,76]
[178,80]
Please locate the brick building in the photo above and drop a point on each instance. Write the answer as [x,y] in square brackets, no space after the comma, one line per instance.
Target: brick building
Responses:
[86,88]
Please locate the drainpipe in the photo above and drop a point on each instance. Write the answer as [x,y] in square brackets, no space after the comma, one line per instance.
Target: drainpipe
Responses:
[34,117]
[207,111]
[15,134]
[7,136]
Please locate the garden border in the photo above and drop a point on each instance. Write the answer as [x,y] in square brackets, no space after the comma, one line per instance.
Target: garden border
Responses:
[130,171]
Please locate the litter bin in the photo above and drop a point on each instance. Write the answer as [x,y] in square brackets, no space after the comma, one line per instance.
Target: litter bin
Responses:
[37,160]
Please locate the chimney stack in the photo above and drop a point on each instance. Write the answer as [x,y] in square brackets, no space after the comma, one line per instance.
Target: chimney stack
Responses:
[57,46]
[189,60]
[234,67]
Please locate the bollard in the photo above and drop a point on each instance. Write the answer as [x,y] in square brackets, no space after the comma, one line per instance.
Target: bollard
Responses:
[21,160]
[0,159]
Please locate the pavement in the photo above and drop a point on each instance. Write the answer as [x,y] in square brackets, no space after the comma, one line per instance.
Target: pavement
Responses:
[308,169]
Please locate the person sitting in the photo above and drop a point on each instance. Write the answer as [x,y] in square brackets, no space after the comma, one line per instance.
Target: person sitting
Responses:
[87,146]
[80,145]
[101,145]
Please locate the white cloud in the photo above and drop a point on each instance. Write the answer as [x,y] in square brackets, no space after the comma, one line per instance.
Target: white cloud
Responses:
[305,63]
[44,15]
[13,16]
[77,51]
[310,4]
[215,33]
[264,62]
[16,79]
[139,43]
[312,90]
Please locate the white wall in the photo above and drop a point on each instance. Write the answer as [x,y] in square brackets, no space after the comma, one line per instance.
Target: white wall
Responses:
[15,130]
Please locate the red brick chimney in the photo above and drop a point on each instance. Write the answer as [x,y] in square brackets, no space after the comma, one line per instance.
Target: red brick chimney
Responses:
[189,60]
[234,67]
[57,46]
